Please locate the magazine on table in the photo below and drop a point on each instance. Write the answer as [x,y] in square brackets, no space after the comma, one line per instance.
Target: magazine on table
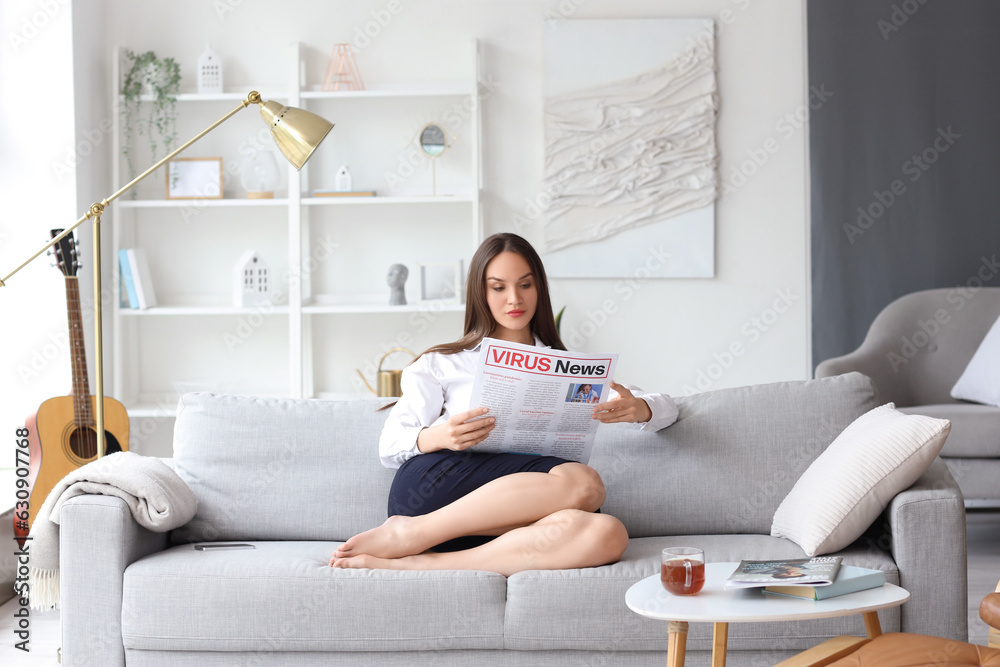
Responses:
[818,571]
[542,399]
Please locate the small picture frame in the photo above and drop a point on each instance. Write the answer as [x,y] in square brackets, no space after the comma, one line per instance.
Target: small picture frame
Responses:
[194,178]
[441,282]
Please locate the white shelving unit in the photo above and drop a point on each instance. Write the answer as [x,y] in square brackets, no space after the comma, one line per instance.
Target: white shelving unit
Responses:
[328,255]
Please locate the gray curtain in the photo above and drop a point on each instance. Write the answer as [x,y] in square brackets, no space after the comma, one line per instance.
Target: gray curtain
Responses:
[904,155]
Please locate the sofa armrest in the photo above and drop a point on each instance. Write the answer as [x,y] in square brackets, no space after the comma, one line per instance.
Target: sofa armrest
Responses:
[928,542]
[98,539]
[861,360]
[872,358]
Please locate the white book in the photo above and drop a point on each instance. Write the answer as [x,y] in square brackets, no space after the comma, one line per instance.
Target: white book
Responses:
[141,278]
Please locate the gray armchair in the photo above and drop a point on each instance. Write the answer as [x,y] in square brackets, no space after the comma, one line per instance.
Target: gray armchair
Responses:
[915,351]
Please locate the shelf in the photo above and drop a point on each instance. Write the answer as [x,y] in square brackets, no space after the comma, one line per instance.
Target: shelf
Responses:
[389,199]
[443,89]
[367,304]
[221,97]
[199,203]
[201,310]
[310,349]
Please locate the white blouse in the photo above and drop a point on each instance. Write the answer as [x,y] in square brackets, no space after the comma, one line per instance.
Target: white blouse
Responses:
[437,386]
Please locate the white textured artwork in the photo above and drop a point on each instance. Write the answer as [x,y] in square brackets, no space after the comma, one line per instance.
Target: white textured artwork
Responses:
[630,151]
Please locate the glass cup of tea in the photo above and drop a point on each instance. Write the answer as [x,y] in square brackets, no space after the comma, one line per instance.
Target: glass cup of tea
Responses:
[682,570]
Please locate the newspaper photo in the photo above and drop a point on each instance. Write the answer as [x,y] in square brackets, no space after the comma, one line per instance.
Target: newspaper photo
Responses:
[542,399]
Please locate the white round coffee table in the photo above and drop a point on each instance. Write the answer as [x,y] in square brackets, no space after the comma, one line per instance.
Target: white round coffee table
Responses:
[716,605]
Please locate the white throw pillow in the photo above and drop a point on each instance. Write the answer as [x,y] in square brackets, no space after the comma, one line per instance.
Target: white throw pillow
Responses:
[980,383]
[848,486]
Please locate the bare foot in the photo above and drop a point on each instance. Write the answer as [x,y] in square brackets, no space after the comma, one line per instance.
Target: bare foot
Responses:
[366,561]
[393,539]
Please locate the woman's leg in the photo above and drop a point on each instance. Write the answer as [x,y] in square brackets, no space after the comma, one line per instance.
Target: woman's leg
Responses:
[564,539]
[512,501]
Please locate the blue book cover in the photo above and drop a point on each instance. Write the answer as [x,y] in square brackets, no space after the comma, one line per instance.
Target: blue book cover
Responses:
[850,579]
[125,272]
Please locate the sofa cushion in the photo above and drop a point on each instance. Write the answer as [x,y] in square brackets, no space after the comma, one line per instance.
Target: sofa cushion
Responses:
[847,487]
[975,429]
[585,609]
[280,469]
[730,459]
[980,381]
[282,596]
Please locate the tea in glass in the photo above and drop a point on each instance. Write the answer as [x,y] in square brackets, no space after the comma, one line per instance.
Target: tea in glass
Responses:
[682,570]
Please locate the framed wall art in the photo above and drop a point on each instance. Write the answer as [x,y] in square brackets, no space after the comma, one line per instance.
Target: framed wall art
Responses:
[194,178]
[630,153]
[441,281]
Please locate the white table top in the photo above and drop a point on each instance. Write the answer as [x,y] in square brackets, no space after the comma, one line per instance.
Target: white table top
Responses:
[714,604]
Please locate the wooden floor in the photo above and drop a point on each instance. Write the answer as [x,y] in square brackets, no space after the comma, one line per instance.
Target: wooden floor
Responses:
[984,572]
[984,565]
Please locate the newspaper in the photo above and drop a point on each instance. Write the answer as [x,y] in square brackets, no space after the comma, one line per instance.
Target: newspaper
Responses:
[542,399]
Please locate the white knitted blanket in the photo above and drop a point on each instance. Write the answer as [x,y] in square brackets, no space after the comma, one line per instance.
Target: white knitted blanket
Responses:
[158,498]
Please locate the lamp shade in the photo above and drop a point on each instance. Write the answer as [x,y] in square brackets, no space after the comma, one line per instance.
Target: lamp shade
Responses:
[296,132]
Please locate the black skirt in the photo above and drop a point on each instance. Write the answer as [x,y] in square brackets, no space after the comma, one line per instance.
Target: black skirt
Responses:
[428,482]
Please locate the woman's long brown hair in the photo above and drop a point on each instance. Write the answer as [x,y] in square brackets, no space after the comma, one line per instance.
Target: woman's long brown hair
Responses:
[479,322]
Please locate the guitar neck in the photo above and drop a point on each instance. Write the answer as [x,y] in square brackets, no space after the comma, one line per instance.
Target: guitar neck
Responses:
[82,412]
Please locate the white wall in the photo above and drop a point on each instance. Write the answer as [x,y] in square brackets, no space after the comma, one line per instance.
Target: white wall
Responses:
[674,335]
[36,135]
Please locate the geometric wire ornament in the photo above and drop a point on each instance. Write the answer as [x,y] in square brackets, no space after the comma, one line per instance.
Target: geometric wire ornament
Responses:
[342,70]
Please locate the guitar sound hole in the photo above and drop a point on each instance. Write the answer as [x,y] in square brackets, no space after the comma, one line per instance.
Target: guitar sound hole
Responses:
[83,443]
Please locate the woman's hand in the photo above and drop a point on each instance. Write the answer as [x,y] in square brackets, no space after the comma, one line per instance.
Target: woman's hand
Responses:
[458,433]
[625,408]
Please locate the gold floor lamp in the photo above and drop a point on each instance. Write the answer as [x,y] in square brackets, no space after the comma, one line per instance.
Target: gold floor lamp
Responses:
[296,132]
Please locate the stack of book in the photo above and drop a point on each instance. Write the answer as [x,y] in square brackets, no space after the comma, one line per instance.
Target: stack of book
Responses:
[815,578]
[850,579]
[136,282]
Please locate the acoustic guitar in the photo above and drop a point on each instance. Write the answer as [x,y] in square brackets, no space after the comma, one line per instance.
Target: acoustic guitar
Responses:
[62,435]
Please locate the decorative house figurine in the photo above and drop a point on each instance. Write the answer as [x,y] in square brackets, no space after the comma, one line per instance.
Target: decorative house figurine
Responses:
[209,72]
[343,180]
[251,281]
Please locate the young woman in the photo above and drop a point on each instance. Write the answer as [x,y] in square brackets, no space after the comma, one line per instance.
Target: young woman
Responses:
[452,508]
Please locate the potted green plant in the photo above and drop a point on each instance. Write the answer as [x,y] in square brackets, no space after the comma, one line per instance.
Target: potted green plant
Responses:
[156,82]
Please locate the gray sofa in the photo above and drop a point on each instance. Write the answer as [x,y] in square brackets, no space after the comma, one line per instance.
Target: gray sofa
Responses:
[915,351]
[296,477]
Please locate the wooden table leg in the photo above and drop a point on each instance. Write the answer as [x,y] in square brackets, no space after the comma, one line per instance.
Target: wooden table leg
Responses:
[720,637]
[677,643]
[872,626]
